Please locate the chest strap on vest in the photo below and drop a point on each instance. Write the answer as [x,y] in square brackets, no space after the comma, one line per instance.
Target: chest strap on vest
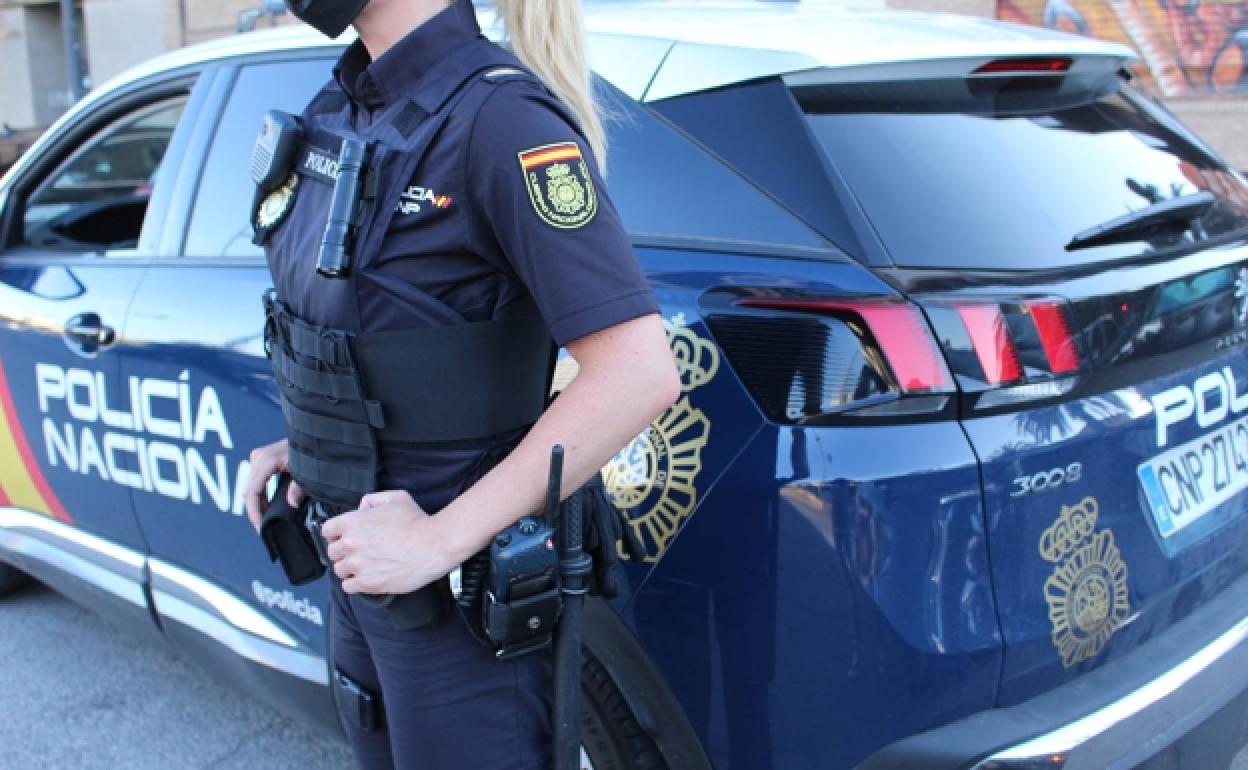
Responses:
[450,383]
[456,383]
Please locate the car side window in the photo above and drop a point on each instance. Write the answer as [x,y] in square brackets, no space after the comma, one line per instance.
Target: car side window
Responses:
[97,199]
[221,221]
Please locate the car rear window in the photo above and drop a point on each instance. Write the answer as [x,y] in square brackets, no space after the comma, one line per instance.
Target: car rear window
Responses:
[221,223]
[1001,173]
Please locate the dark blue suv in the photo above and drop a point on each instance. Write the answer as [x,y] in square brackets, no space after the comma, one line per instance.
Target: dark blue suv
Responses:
[957,476]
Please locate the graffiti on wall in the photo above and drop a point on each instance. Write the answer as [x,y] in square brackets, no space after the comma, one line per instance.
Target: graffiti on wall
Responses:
[1186,47]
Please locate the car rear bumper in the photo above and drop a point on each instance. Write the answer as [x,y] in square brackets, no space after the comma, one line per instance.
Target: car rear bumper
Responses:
[1119,715]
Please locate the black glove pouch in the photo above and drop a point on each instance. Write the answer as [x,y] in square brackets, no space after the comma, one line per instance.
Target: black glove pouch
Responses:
[606,527]
[428,607]
[287,539]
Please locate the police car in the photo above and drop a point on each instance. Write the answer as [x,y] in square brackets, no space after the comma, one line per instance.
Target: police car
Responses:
[957,475]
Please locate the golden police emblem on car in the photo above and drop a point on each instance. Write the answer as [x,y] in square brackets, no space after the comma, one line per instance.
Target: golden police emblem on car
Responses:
[277,204]
[1087,592]
[653,480]
[560,186]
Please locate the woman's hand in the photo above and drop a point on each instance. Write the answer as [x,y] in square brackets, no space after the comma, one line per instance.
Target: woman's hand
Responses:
[388,546]
[265,462]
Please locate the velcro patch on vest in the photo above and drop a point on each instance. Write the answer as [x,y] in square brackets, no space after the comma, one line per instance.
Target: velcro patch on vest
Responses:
[320,163]
[559,184]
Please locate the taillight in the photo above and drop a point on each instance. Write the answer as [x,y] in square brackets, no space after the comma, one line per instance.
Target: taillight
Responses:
[991,342]
[1031,65]
[805,358]
[808,359]
[1055,335]
[1007,352]
[896,327]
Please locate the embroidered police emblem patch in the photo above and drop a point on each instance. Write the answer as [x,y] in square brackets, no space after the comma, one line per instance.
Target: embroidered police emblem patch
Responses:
[274,208]
[560,187]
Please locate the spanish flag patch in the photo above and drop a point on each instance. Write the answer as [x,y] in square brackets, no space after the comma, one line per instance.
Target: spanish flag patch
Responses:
[560,186]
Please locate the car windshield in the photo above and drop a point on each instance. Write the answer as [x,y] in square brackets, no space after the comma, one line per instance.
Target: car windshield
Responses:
[1002,173]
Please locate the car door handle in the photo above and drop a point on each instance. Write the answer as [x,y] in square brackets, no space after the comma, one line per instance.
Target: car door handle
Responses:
[89,331]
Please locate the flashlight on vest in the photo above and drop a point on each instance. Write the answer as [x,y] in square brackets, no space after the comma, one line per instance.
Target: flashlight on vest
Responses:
[335,258]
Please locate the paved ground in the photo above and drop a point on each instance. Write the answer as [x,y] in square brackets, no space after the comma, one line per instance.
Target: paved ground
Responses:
[80,694]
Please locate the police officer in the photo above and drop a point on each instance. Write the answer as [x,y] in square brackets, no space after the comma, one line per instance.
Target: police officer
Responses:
[483,208]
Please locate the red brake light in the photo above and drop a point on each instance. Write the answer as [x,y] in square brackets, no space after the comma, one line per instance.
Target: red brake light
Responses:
[1055,337]
[898,329]
[992,343]
[1034,65]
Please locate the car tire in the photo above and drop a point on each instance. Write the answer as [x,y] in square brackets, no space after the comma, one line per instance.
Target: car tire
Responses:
[11,579]
[610,733]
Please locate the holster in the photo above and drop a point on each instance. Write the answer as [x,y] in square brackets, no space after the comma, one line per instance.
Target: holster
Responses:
[427,607]
[287,539]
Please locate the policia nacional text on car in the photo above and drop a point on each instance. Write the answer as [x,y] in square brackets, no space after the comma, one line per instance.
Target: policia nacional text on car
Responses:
[435,222]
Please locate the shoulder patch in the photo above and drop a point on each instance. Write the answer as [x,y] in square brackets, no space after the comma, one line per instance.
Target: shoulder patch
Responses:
[560,186]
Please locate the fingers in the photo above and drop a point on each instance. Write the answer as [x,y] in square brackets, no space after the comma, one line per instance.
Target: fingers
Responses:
[255,513]
[386,497]
[360,585]
[338,549]
[295,494]
[253,495]
[332,530]
[345,569]
[265,461]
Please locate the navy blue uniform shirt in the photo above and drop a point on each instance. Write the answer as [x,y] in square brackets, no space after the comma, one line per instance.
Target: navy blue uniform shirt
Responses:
[506,209]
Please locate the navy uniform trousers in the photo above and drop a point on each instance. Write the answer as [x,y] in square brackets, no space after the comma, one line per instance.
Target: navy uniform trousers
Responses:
[450,705]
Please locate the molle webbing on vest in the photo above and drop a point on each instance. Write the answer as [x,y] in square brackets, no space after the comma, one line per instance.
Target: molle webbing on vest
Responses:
[341,393]
[330,421]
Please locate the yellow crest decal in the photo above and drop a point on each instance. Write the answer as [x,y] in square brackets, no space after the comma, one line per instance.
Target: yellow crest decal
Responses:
[653,479]
[560,186]
[1087,592]
[277,204]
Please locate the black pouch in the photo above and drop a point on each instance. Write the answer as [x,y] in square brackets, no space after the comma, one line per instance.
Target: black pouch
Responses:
[363,708]
[607,532]
[287,539]
[428,607]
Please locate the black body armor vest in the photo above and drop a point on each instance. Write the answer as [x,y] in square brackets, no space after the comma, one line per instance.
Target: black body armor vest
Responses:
[344,390]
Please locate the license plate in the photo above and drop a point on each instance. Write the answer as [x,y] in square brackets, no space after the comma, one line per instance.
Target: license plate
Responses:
[1185,483]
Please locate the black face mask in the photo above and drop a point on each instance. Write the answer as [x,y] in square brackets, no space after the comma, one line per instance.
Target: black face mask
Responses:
[330,17]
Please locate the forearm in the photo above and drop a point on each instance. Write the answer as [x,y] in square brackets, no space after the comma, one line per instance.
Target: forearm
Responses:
[611,401]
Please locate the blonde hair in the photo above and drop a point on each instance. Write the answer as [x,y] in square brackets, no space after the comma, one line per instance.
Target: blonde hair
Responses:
[549,37]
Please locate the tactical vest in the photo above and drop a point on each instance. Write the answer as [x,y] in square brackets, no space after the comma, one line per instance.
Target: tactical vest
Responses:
[344,390]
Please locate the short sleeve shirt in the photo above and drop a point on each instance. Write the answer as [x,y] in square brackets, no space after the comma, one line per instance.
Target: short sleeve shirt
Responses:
[508,204]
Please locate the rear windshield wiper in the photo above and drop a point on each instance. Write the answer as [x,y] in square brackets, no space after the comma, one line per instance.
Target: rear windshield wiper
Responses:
[1176,211]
